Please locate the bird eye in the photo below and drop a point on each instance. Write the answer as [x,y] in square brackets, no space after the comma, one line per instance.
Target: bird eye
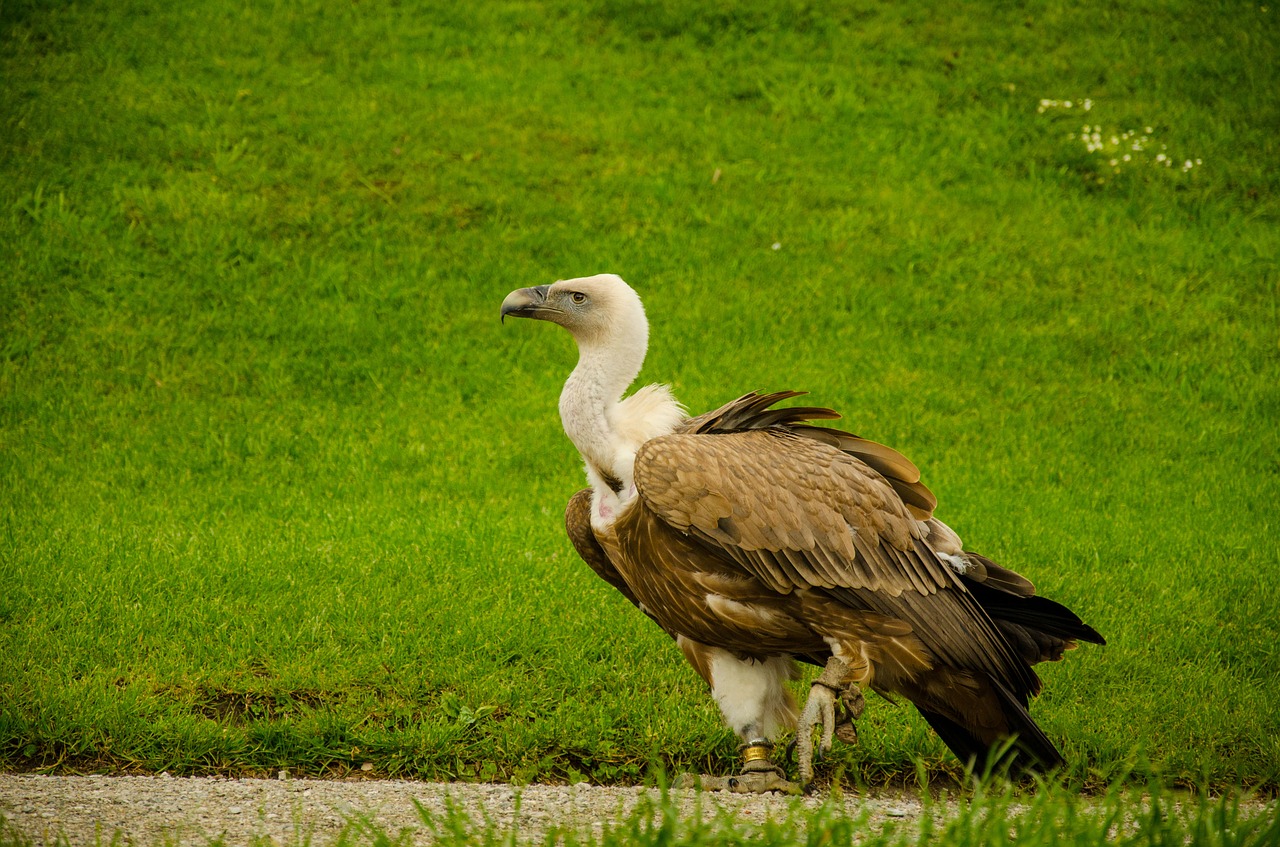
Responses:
[578,297]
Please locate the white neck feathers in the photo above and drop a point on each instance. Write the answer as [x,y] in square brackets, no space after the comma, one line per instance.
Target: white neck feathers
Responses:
[606,429]
[592,394]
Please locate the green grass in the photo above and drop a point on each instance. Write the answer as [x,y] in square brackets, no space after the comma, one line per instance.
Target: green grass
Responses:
[989,815]
[1049,817]
[277,490]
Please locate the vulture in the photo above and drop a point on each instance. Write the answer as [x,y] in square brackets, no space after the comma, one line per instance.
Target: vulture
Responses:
[755,538]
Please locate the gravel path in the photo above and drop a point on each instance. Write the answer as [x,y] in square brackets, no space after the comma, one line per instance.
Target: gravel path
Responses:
[150,810]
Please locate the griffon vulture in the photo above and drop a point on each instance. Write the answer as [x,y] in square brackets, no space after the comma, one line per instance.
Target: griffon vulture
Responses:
[755,538]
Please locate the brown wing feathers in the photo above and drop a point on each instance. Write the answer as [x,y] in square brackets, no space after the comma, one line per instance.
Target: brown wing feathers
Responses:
[802,507]
[796,514]
[807,510]
[751,411]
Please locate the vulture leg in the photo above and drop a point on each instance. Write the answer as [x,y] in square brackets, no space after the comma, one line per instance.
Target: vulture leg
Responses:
[830,689]
[756,706]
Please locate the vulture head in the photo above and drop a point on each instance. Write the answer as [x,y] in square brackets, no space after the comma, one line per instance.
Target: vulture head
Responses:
[599,311]
[606,319]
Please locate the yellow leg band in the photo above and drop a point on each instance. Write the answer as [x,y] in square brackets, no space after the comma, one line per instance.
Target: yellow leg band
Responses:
[755,751]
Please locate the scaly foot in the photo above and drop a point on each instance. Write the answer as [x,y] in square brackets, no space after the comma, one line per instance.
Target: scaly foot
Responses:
[753,782]
[759,774]
[820,713]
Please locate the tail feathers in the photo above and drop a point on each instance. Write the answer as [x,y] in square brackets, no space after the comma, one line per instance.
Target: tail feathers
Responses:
[1033,645]
[1035,612]
[979,730]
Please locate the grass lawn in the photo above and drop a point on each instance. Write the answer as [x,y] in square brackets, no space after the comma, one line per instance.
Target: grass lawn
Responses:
[1053,817]
[277,490]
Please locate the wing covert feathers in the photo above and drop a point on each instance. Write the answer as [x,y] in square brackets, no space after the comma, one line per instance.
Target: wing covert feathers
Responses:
[752,412]
[790,509]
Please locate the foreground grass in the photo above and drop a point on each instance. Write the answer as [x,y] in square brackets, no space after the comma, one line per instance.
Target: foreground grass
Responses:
[989,815]
[1040,820]
[277,491]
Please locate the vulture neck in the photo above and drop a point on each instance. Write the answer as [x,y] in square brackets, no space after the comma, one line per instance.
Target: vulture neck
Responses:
[590,407]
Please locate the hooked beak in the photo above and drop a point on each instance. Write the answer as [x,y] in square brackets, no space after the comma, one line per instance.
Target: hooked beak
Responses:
[526,303]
